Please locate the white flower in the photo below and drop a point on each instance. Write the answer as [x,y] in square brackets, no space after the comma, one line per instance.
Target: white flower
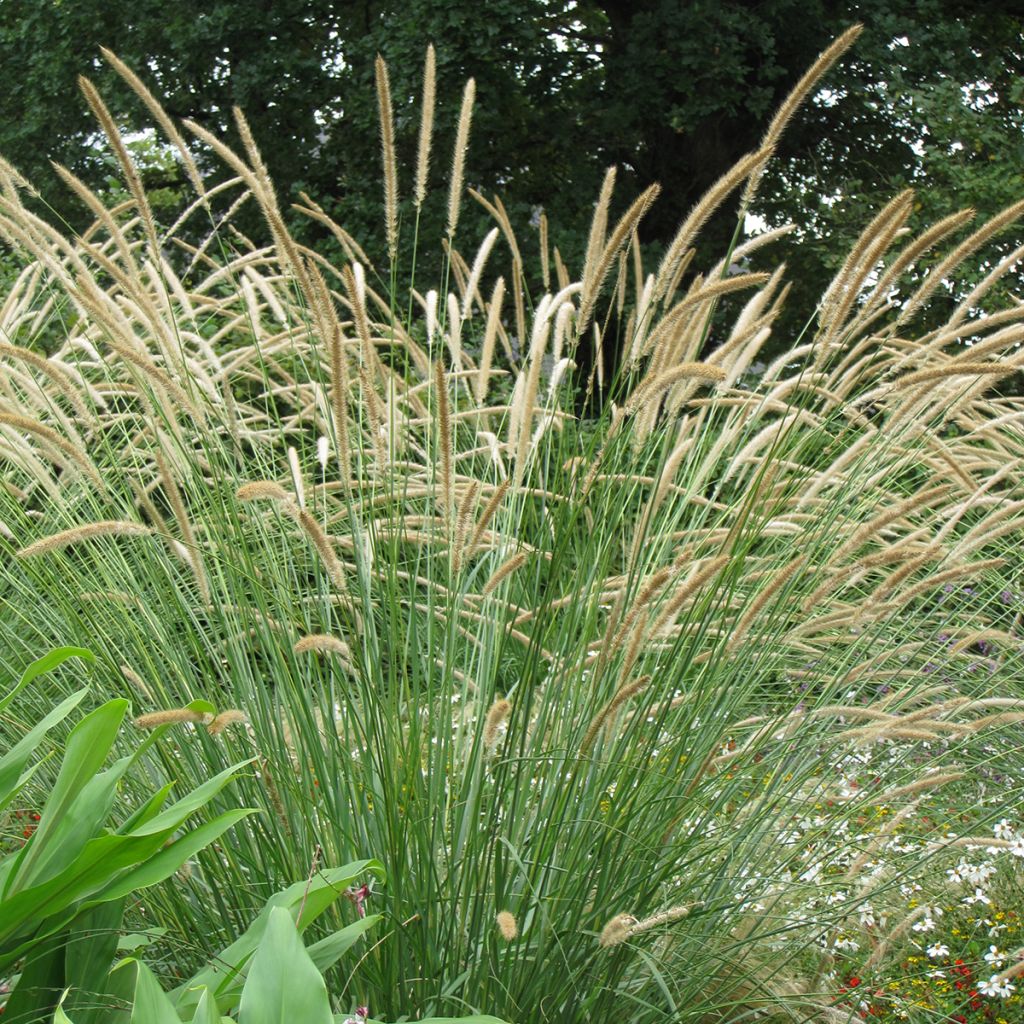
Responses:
[995,957]
[1018,847]
[811,873]
[926,924]
[995,987]
[977,875]
[937,949]
[978,897]
[1003,829]
[867,915]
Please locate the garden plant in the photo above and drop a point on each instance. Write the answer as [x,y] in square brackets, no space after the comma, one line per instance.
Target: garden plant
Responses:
[687,688]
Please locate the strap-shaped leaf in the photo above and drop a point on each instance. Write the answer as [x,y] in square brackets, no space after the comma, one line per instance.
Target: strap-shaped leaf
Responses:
[174,815]
[12,764]
[161,866]
[283,985]
[47,663]
[90,950]
[206,1009]
[227,976]
[41,979]
[84,820]
[59,1016]
[87,748]
[150,1005]
[86,876]
[147,811]
[327,952]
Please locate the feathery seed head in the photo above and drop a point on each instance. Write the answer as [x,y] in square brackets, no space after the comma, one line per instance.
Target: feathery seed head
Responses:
[426,127]
[496,717]
[955,369]
[66,538]
[459,156]
[262,490]
[387,141]
[505,569]
[617,930]
[321,643]
[507,925]
[170,716]
[224,719]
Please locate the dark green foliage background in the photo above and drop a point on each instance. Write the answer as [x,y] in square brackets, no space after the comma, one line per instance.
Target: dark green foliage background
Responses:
[670,91]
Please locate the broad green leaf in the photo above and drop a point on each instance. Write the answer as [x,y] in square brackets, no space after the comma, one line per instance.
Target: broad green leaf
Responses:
[83,820]
[7,866]
[42,977]
[147,811]
[476,1018]
[87,748]
[311,900]
[121,990]
[206,1009]
[226,978]
[59,1016]
[88,955]
[13,762]
[283,985]
[46,663]
[326,953]
[174,815]
[162,865]
[92,869]
[150,1005]
[99,860]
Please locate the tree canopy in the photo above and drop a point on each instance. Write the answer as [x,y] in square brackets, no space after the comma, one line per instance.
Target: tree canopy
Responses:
[669,91]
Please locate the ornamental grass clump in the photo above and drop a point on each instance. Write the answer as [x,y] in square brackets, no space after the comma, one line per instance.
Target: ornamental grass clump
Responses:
[595,672]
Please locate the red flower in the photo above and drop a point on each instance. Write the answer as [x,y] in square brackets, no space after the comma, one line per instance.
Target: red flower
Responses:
[358,897]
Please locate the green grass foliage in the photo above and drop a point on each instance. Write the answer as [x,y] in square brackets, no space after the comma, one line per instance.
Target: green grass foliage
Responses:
[609,674]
